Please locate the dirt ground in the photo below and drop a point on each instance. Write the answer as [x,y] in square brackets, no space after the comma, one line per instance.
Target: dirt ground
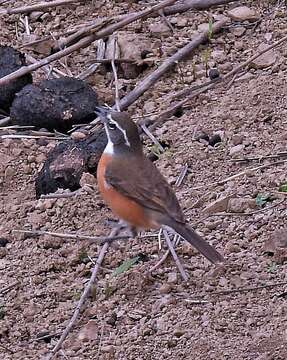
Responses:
[226,312]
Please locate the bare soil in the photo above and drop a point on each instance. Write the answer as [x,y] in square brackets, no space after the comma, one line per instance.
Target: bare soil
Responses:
[226,312]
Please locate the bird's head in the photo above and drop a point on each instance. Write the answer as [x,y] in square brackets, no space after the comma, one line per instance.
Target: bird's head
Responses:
[121,131]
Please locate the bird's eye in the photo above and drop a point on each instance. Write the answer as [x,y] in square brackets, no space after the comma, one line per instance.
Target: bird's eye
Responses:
[112,126]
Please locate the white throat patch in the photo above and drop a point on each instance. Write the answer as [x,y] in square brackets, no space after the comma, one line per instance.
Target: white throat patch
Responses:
[109,149]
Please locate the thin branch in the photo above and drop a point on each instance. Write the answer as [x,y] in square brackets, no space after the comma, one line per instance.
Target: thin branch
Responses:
[38,7]
[117,61]
[46,68]
[83,298]
[255,56]
[195,5]
[101,48]
[182,175]
[255,288]
[260,158]
[152,137]
[8,287]
[33,137]
[242,173]
[5,121]
[116,80]
[45,337]
[176,240]
[84,42]
[84,31]
[6,349]
[267,208]
[95,239]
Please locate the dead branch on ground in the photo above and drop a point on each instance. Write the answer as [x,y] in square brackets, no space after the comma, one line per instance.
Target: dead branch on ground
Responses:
[242,173]
[8,287]
[260,158]
[94,239]
[116,80]
[83,298]
[195,5]
[38,7]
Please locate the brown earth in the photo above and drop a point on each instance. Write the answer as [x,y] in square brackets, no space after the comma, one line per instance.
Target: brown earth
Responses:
[132,315]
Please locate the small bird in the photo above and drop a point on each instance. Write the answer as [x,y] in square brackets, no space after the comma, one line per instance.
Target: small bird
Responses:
[133,187]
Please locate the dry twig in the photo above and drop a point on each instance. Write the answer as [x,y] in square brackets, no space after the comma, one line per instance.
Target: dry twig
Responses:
[267,208]
[101,48]
[164,257]
[255,288]
[260,158]
[83,298]
[194,5]
[95,239]
[8,287]
[152,137]
[38,7]
[5,121]
[116,80]
[182,175]
[17,136]
[168,10]
[242,173]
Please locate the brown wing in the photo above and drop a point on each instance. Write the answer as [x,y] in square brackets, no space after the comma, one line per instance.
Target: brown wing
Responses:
[142,182]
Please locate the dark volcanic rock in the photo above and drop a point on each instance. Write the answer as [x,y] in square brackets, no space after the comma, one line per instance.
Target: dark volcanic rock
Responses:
[55,104]
[68,161]
[10,61]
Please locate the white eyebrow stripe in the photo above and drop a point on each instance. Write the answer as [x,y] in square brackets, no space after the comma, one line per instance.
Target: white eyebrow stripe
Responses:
[109,116]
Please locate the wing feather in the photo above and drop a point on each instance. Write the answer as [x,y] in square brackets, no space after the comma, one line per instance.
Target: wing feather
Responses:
[143,183]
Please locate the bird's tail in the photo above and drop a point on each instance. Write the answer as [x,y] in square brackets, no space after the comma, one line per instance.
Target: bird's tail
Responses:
[197,241]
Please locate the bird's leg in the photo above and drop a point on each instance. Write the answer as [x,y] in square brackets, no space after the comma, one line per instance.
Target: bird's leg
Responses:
[133,231]
[176,240]
[174,255]
[119,227]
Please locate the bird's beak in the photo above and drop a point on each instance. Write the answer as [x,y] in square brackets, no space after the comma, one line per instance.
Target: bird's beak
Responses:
[102,113]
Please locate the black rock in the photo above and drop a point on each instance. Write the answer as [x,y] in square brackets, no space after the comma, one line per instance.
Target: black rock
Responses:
[214,139]
[55,104]
[68,161]
[10,61]
[213,74]
[3,242]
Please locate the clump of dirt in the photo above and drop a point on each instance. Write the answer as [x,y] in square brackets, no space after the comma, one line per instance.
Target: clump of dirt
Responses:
[233,311]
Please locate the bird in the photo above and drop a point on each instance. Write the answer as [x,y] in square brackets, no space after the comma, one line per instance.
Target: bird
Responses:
[133,187]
